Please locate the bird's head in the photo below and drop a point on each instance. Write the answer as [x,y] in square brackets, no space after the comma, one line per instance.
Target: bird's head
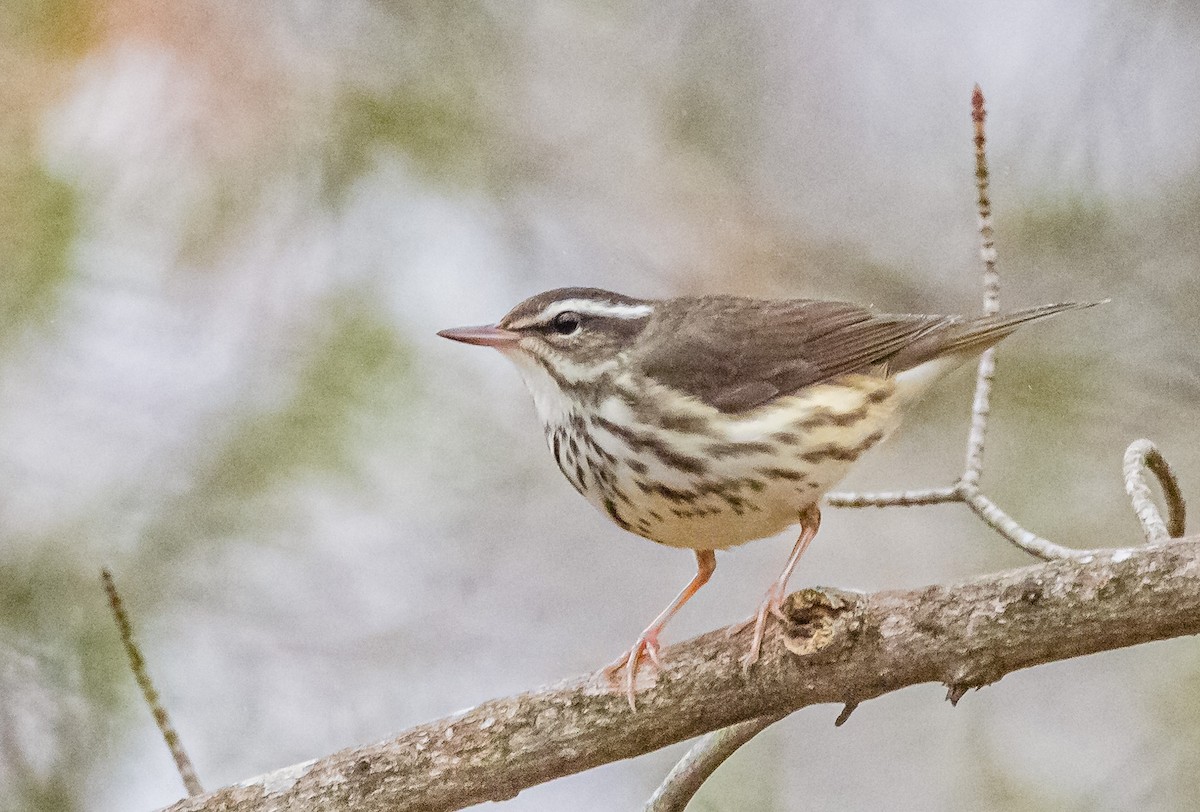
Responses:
[574,335]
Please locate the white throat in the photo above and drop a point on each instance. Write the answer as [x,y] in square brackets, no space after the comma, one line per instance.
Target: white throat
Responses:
[554,408]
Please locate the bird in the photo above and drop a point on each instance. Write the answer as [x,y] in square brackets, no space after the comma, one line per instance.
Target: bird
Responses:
[705,422]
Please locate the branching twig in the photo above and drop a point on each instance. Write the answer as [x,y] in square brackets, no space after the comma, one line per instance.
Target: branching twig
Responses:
[138,665]
[1005,525]
[966,490]
[1140,456]
[963,635]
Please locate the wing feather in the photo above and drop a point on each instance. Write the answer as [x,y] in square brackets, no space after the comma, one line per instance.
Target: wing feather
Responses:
[736,354]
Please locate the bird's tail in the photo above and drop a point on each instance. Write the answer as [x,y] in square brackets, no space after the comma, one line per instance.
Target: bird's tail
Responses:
[969,336]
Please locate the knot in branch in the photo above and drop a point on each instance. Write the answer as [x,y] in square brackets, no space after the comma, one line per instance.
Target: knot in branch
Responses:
[822,620]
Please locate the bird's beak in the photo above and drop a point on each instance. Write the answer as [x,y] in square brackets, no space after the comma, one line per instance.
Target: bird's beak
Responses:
[485,336]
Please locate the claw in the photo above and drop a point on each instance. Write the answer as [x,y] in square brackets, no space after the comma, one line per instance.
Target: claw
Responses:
[651,650]
[772,605]
[647,647]
[810,521]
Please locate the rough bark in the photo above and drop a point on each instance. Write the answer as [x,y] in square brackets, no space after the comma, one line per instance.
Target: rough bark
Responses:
[836,647]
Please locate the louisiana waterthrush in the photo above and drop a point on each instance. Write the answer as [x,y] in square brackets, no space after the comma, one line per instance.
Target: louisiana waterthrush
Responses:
[707,422]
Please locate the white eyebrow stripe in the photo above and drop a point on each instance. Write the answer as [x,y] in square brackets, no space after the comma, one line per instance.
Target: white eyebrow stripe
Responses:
[591,307]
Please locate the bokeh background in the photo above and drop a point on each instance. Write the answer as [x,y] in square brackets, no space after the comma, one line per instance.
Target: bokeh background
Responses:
[229,231]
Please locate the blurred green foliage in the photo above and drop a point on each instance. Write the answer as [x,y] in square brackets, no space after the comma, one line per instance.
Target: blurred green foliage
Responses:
[53,612]
[356,367]
[1074,235]
[1068,224]
[444,110]
[37,224]
[994,785]
[1176,711]
[59,27]
[341,378]
[443,132]
[715,103]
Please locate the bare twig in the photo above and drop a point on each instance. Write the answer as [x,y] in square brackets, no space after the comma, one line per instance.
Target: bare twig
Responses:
[687,776]
[966,490]
[1140,456]
[981,411]
[982,407]
[963,635]
[1005,525]
[929,496]
[137,664]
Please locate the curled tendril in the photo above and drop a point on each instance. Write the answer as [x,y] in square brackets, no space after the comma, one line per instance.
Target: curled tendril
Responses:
[1140,456]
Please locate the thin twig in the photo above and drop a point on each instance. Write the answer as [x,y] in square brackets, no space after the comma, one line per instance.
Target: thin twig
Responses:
[981,404]
[844,716]
[929,496]
[1140,456]
[137,664]
[1005,525]
[687,776]
[981,408]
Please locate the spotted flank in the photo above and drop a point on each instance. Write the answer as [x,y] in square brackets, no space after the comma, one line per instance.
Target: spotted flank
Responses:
[743,478]
[648,443]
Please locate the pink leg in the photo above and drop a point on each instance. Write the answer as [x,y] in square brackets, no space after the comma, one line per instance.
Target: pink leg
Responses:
[647,642]
[810,522]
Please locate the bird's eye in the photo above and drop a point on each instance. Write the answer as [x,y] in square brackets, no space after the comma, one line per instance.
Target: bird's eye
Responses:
[566,323]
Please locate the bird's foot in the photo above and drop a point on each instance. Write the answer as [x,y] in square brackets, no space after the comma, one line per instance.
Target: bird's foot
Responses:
[772,605]
[645,647]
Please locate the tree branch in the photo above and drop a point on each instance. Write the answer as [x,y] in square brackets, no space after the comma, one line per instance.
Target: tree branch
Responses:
[834,647]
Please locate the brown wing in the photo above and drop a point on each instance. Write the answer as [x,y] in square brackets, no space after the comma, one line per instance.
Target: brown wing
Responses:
[735,354]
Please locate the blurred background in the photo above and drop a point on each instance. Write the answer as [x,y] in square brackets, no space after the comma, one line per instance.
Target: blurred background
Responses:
[229,231]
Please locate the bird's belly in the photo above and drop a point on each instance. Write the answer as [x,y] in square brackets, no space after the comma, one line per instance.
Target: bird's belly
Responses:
[743,477]
[747,502]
